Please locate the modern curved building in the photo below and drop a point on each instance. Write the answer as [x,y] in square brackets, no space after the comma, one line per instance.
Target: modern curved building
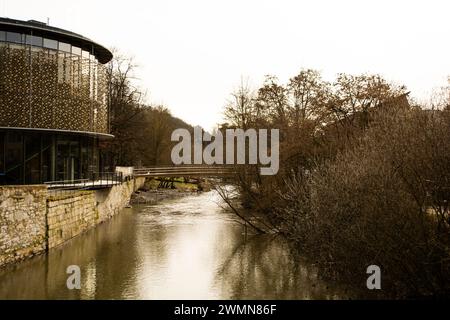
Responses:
[53,103]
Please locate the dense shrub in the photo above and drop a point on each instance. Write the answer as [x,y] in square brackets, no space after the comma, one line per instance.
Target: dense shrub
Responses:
[382,201]
[364,177]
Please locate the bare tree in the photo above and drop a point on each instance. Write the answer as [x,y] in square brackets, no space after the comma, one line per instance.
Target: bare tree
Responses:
[240,109]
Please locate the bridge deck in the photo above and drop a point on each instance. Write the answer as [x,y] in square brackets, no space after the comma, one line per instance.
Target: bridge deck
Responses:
[185,171]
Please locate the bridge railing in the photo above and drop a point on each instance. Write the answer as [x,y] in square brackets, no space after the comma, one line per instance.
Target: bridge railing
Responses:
[184,170]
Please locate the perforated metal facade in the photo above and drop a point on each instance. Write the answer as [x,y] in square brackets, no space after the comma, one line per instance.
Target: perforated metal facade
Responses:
[47,89]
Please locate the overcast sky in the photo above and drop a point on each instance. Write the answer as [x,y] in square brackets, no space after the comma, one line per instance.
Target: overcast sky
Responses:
[193,53]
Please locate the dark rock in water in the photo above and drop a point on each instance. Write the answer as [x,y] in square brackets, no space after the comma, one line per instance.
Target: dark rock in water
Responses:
[204,185]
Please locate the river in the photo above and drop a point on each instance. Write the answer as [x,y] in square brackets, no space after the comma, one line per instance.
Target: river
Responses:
[184,248]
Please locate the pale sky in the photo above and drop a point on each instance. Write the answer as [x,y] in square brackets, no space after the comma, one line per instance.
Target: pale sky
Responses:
[193,53]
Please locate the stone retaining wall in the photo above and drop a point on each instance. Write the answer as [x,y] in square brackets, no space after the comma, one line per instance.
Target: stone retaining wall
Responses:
[69,215]
[110,201]
[22,222]
[33,219]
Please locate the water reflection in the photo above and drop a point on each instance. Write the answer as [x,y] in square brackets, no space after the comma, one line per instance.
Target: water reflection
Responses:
[188,248]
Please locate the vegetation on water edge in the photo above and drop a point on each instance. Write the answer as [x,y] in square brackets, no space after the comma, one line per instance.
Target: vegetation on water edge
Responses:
[364,178]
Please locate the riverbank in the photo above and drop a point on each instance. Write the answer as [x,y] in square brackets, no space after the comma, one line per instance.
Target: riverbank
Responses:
[155,190]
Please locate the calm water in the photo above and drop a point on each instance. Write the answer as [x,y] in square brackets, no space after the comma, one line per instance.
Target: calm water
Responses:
[188,248]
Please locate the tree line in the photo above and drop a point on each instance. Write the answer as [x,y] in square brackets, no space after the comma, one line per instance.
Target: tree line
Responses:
[364,177]
[141,131]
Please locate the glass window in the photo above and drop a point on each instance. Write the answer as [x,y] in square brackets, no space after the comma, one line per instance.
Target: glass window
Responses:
[62,158]
[13,157]
[64,47]
[85,54]
[51,44]
[46,165]
[34,41]
[2,36]
[13,37]
[2,155]
[76,50]
[32,144]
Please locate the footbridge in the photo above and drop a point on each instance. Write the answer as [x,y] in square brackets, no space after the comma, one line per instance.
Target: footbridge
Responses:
[206,171]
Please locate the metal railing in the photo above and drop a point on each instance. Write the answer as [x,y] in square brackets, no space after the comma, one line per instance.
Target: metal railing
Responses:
[95,180]
[185,171]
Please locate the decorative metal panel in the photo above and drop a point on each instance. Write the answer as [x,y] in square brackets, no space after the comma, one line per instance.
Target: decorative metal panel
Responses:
[47,89]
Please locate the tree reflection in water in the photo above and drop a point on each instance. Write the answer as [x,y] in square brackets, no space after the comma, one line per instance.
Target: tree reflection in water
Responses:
[265,267]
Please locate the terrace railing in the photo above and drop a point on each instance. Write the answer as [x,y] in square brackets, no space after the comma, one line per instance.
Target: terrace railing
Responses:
[95,180]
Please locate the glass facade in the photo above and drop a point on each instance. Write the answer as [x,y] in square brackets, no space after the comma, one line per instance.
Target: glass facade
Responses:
[37,41]
[33,158]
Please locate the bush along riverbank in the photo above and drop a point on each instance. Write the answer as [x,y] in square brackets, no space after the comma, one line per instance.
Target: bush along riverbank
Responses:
[381,201]
[364,179]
